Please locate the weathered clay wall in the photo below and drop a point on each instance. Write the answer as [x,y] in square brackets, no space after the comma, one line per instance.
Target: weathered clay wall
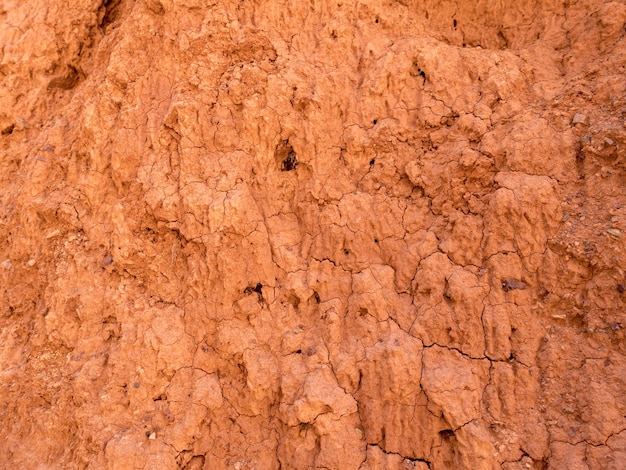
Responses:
[308,235]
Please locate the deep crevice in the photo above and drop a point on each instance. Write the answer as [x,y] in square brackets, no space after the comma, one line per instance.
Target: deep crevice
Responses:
[111,12]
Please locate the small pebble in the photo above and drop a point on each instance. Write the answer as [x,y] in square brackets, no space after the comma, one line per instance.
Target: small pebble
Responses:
[31,262]
[579,118]
[6,264]
[53,234]
[152,436]
[106,261]
[612,231]
[621,288]
[510,284]
[609,141]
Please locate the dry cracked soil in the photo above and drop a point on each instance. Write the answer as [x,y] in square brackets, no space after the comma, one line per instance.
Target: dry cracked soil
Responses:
[346,234]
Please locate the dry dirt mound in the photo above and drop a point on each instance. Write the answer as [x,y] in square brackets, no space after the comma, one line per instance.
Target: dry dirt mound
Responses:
[312,235]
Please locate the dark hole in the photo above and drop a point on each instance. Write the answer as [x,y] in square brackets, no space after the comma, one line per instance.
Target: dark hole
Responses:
[147,433]
[250,289]
[67,81]
[375,121]
[421,72]
[299,351]
[316,296]
[621,288]
[376,21]
[464,45]
[111,12]
[346,251]
[375,240]
[372,161]
[290,162]
[8,130]
[512,357]
[446,434]
[258,289]
[454,23]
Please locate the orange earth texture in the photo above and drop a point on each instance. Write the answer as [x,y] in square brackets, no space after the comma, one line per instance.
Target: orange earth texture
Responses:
[324,234]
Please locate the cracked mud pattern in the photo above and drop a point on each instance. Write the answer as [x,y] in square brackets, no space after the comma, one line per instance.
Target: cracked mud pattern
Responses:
[316,235]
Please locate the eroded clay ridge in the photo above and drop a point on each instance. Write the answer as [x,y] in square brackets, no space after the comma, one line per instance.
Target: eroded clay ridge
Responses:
[312,235]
